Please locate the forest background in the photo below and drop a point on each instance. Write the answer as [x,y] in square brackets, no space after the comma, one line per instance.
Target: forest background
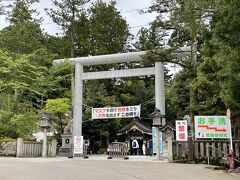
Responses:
[207,84]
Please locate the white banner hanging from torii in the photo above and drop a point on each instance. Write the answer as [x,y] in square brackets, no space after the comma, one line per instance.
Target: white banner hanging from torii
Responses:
[116,112]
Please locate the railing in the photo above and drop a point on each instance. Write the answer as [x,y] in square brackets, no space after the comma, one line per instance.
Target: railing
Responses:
[118,150]
[214,148]
[200,148]
[85,152]
[34,149]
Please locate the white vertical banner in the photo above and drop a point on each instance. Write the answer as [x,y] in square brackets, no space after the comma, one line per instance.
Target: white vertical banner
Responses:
[78,145]
[181,130]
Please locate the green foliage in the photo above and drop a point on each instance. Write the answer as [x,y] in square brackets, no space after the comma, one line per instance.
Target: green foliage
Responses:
[219,78]
[24,34]
[18,125]
[21,74]
[152,38]
[108,30]
[6,128]
[6,139]
[59,108]
[96,95]
[207,84]
[25,124]
[65,15]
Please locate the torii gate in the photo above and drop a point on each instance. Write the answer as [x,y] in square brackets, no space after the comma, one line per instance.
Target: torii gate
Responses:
[158,71]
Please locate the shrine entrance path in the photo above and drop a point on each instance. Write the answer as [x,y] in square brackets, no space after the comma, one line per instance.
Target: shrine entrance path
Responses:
[80,169]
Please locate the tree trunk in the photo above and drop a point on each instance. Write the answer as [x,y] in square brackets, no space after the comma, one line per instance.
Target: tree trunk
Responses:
[72,34]
[193,91]
[15,100]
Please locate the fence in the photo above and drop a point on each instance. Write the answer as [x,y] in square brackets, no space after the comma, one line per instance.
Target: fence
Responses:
[118,150]
[201,148]
[85,153]
[34,149]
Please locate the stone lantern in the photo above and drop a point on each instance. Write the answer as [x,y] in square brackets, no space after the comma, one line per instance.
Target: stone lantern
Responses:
[45,123]
[158,118]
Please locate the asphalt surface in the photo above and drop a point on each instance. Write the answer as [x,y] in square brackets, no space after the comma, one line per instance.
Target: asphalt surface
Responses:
[103,169]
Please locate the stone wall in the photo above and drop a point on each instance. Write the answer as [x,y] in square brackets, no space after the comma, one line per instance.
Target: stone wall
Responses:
[8,148]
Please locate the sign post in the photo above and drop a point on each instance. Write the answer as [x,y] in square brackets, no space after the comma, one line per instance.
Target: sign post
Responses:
[78,145]
[231,163]
[215,127]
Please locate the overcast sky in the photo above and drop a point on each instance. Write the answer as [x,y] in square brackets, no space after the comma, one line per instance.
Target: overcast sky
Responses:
[128,8]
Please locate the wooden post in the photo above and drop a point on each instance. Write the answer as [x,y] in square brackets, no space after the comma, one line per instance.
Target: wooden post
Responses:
[237,149]
[177,149]
[213,150]
[207,149]
[225,148]
[219,148]
[196,151]
[19,152]
[183,149]
[170,149]
[202,150]
[190,148]
[54,148]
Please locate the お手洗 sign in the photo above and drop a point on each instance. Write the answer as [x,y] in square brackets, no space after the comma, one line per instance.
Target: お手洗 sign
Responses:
[116,112]
[214,127]
[181,130]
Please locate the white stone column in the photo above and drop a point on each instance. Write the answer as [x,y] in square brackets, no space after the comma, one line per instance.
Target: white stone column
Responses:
[44,149]
[19,152]
[159,101]
[54,148]
[77,108]
[170,149]
[159,87]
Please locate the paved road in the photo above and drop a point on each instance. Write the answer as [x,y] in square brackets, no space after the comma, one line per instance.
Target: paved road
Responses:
[80,169]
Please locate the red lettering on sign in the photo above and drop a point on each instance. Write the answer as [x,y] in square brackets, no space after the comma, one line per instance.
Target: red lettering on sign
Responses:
[181,136]
[121,109]
[181,128]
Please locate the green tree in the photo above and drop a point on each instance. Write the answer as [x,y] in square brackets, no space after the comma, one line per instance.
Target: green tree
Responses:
[179,94]
[219,70]
[108,30]
[65,15]
[24,34]
[97,95]
[152,38]
[6,128]
[186,18]
[25,124]
[59,108]
[19,93]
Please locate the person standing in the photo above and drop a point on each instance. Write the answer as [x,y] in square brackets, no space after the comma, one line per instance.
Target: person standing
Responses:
[135,146]
[144,148]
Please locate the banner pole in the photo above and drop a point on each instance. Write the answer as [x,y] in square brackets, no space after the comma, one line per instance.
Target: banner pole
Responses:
[231,163]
